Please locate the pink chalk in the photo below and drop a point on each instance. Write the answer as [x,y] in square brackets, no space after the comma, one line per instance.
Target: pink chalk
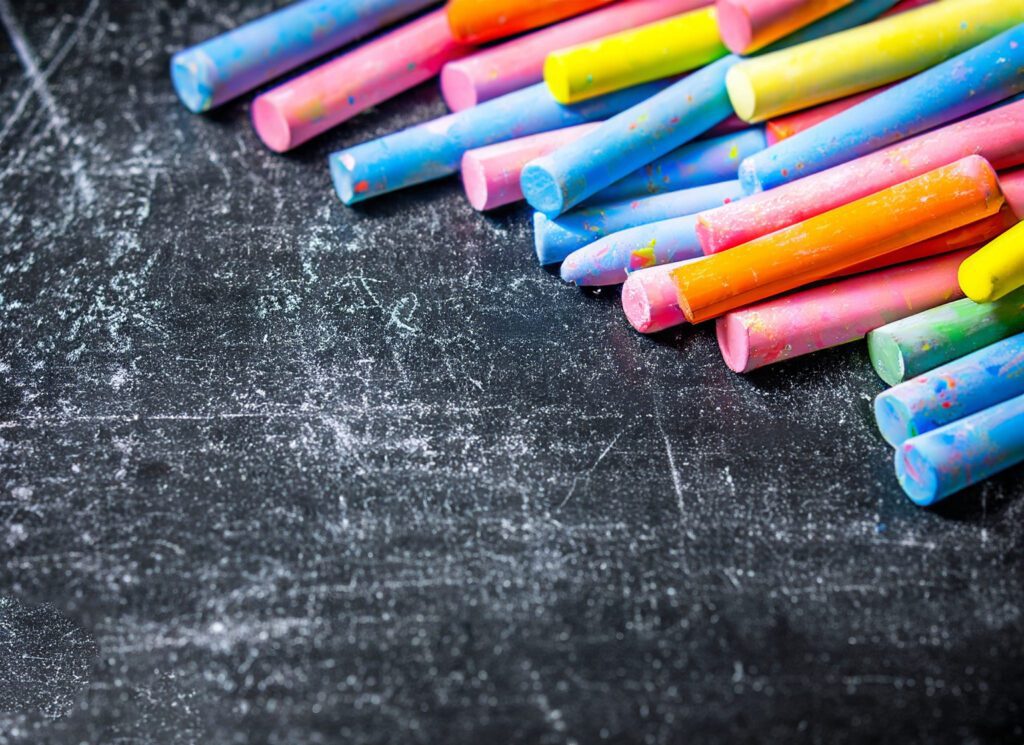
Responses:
[748,25]
[650,300]
[997,135]
[836,313]
[786,126]
[1012,185]
[490,174]
[302,108]
[520,62]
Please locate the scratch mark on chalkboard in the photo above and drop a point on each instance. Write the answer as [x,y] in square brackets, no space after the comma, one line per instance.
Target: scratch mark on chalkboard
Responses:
[58,120]
[575,479]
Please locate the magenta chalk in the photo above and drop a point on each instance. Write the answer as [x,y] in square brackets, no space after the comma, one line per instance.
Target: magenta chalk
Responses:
[997,135]
[650,298]
[835,313]
[328,95]
[490,175]
[518,63]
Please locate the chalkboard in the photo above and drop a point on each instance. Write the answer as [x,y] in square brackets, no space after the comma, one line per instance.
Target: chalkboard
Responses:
[276,470]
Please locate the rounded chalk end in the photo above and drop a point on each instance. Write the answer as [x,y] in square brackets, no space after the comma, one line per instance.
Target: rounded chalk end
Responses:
[886,357]
[557,78]
[341,175]
[457,87]
[741,93]
[734,26]
[542,190]
[733,342]
[748,177]
[976,283]
[650,301]
[893,419]
[474,182]
[192,74]
[917,475]
[271,124]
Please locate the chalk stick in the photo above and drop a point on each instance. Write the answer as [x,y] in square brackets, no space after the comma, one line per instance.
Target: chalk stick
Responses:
[997,269]
[931,204]
[290,114]
[642,244]
[680,243]
[704,161]
[996,135]
[226,66]
[835,313]
[557,238]
[515,64]
[969,82]
[952,391]
[650,299]
[749,25]
[490,174]
[434,149]
[783,127]
[907,348]
[936,465]
[561,180]
[473,21]
[865,57]
[656,50]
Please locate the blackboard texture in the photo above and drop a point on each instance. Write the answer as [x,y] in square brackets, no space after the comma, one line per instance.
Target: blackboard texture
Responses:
[279,471]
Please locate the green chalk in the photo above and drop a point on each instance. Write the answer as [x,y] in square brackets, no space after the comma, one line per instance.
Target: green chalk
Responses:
[914,345]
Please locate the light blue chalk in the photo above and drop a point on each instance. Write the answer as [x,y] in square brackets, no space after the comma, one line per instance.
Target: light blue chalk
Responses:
[936,465]
[696,164]
[952,391]
[610,260]
[237,61]
[434,149]
[556,238]
[973,80]
[563,179]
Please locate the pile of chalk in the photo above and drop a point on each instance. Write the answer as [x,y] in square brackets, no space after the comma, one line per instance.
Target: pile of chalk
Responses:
[804,173]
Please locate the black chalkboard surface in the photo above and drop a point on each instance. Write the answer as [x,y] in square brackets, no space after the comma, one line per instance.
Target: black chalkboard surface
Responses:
[275,470]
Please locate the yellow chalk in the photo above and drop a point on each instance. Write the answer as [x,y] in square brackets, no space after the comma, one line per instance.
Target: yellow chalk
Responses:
[997,269]
[657,50]
[865,57]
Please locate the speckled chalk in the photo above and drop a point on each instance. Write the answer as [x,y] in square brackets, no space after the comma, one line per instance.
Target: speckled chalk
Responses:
[936,465]
[237,61]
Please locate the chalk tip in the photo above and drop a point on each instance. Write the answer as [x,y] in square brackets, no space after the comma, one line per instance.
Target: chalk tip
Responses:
[556,76]
[893,418]
[341,176]
[191,74]
[584,268]
[917,476]
[457,87]
[271,124]
[474,182]
[733,342]
[734,26]
[650,301]
[977,284]
[741,93]
[886,357]
[542,190]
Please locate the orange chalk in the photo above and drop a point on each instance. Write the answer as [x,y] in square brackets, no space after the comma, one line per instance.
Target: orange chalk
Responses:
[474,21]
[931,204]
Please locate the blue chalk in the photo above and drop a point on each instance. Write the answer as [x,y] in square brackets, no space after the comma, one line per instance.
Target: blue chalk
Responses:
[556,238]
[434,149]
[696,164]
[952,391]
[237,61]
[935,465]
[560,180]
[609,260]
[973,80]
